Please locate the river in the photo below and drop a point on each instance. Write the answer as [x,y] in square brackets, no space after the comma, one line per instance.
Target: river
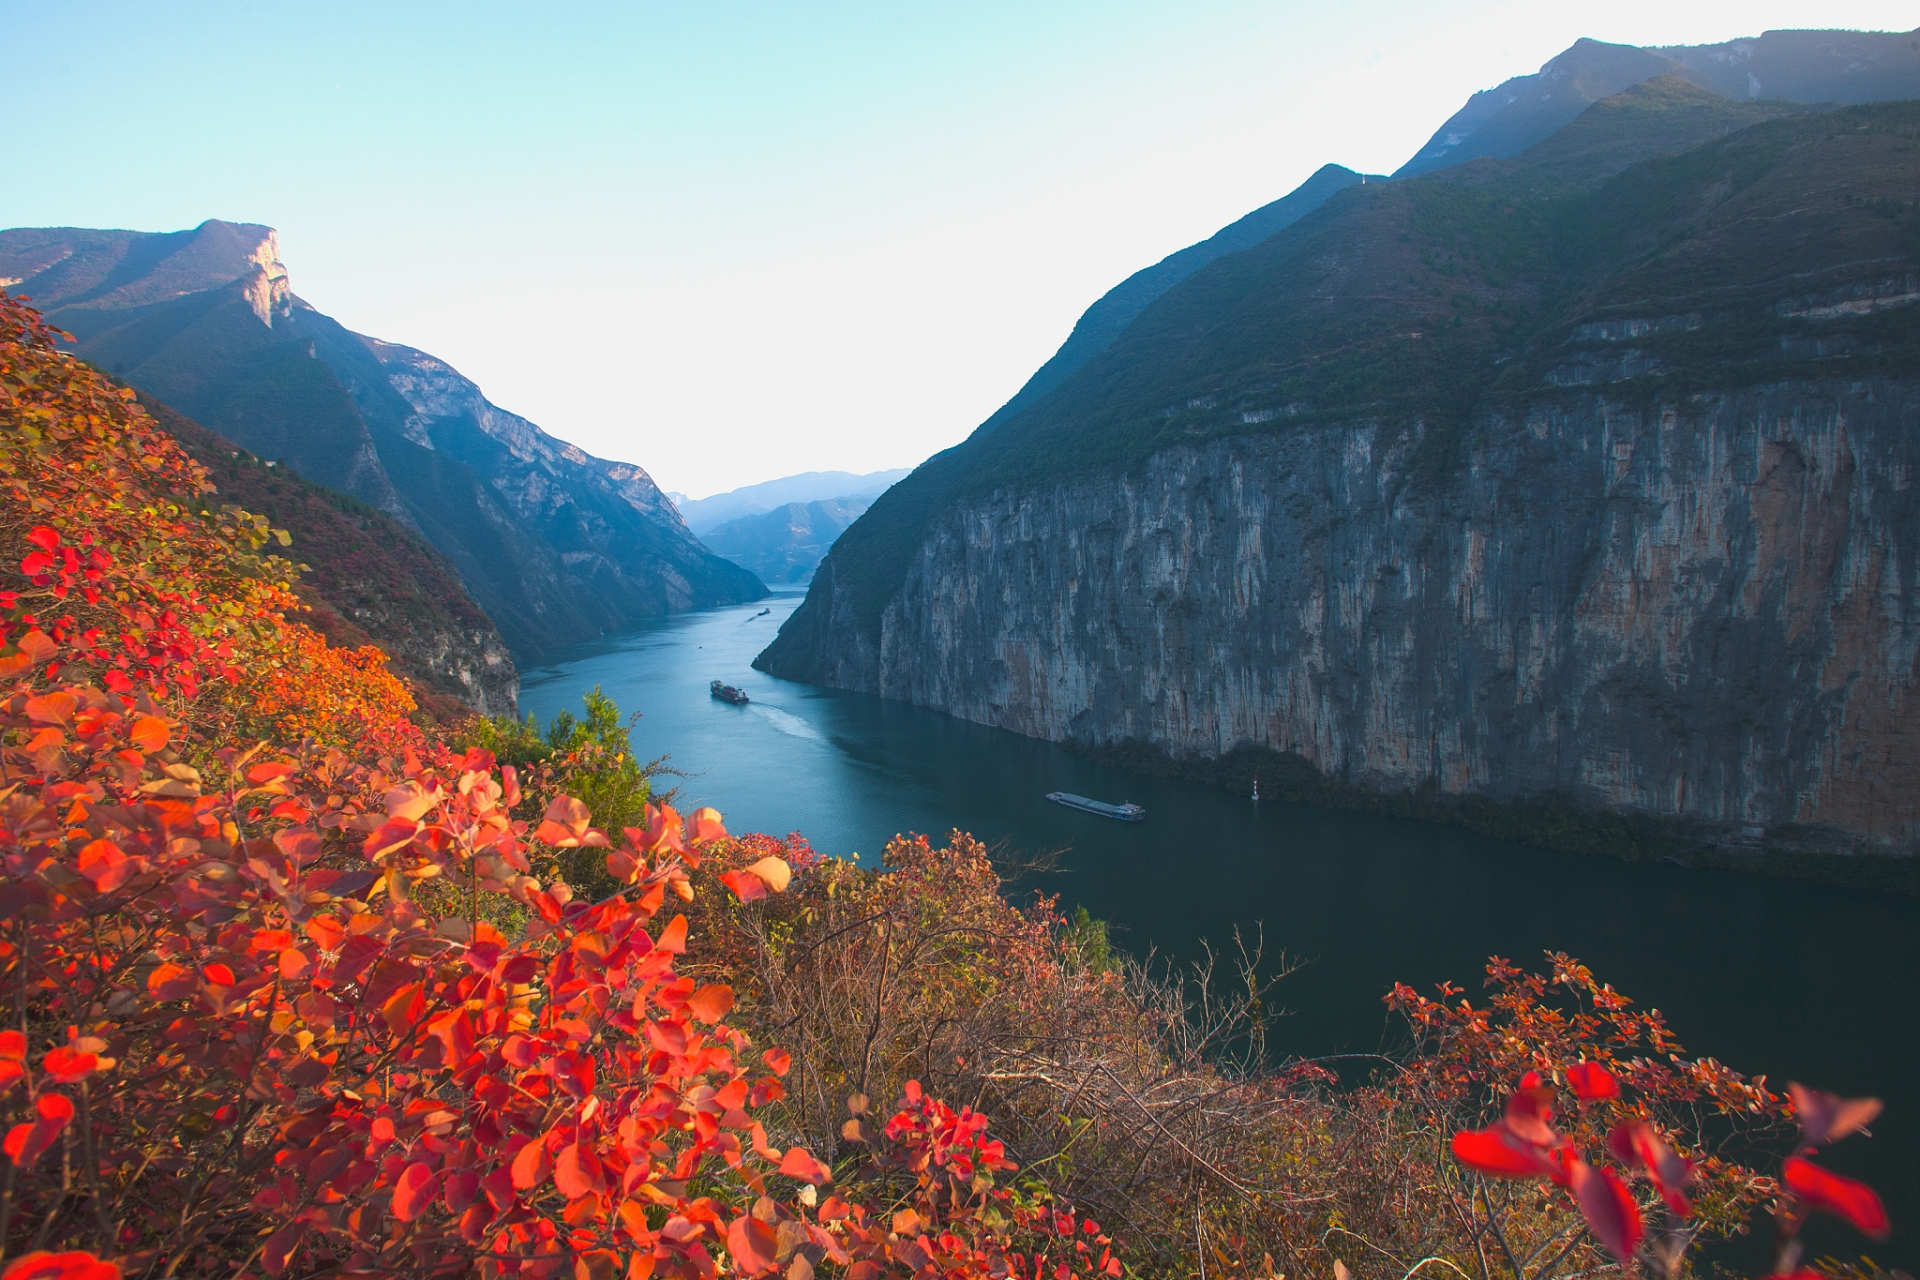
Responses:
[1770,976]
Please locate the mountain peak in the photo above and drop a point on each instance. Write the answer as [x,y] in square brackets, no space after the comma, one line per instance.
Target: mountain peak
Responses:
[76,267]
[1799,66]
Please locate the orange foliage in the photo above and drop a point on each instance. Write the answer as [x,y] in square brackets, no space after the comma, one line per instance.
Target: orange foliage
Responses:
[297,686]
[91,489]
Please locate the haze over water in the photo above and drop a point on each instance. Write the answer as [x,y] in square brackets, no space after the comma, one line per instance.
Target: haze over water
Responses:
[1771,976]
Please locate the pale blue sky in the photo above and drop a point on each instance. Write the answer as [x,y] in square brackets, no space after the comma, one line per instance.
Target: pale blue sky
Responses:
[731,241]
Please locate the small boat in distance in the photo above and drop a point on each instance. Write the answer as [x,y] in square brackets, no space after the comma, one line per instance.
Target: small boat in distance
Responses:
[727,693]
[1124,812]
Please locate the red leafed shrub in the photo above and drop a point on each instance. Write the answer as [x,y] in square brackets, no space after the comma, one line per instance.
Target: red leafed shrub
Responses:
[246,1047]
[1634,1120]
[242,1043]
[237,1021]
[943,1214]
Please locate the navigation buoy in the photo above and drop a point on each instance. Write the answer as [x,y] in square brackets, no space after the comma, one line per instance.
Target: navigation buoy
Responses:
[1256,791]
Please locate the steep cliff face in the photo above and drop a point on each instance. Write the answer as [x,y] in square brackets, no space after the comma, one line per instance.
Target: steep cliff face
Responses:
[1705,608]
[614,547]
[1588,475]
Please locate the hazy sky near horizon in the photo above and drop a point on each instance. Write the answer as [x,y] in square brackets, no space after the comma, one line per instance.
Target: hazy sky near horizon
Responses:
[733,241]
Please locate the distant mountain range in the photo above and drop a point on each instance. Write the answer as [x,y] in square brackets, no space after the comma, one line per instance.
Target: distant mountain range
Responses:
[705,514]
[1801,66]
[788,542]
[557,546]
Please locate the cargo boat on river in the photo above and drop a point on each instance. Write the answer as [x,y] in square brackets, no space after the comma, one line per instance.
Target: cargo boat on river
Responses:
[1124,812]
[727,693]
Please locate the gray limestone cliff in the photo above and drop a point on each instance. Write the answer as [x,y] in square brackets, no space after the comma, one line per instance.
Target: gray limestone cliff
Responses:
[1705,608]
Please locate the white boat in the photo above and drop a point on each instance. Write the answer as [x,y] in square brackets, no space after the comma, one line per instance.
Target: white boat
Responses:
[1124,812]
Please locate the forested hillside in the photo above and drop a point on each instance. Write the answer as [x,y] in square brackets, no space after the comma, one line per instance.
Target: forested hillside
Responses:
[365,578]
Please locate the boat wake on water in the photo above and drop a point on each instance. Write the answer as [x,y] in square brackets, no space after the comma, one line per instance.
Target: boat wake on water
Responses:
[788,723]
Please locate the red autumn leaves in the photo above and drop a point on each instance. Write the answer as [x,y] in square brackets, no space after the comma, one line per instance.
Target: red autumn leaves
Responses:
[1826,1118]
[58,567]
[72,1265]
[1525,1144]
[957,1222]
[52,1112]
[26,1143]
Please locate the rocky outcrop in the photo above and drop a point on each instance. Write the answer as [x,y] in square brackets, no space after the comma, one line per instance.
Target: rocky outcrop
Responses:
[438,393]
[1703,608]
[468,664]
[595,545]
[268,291]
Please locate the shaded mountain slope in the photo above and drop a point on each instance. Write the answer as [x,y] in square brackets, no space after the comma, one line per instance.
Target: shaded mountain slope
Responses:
[1846,67]
[556,545]
[1801,66]
[368,579]
[1102,322]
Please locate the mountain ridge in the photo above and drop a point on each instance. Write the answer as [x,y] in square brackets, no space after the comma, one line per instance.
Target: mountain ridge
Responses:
[556,546]
[1114,310]
[1839,67]
[704,514]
